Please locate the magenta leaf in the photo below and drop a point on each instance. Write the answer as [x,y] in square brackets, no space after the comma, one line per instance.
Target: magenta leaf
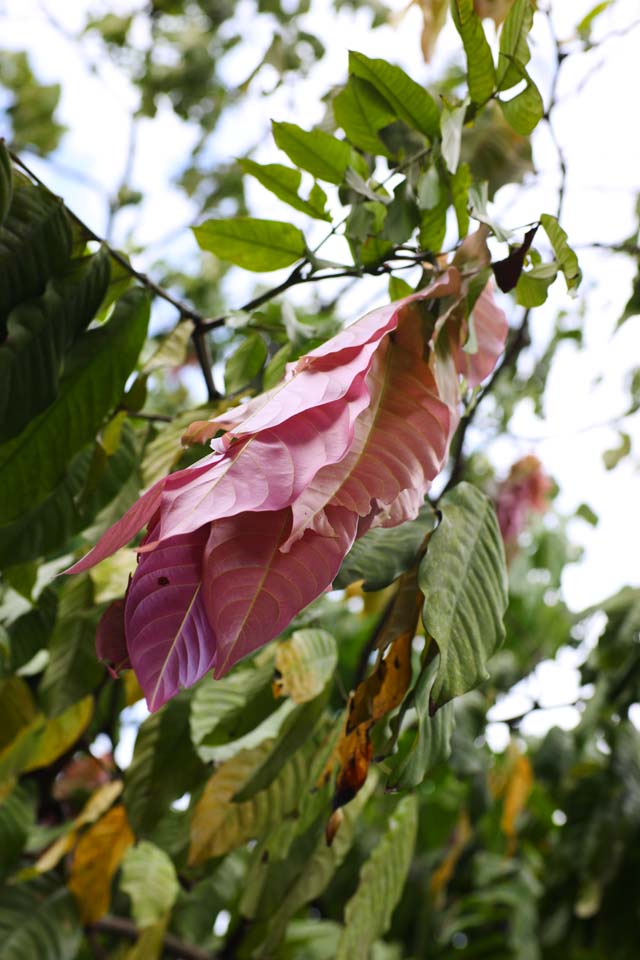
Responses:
[252,589]
[170,642]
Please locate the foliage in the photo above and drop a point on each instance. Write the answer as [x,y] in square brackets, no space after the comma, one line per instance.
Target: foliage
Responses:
[334,793]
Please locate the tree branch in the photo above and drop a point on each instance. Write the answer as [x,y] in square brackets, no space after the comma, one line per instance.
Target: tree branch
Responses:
[122,927]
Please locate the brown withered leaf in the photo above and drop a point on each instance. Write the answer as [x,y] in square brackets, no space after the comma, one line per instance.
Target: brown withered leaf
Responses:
[96,859]
[473,253]
[385,688]
[496,9]
[444,871]
[434,16]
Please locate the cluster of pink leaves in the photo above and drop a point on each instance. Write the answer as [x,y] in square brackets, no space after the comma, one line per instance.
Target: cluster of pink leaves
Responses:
[525,491]
[241,541]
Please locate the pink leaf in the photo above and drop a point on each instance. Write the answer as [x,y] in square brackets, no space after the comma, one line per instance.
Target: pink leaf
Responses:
[111,644]
[252,589]
[491,328]
[170,642]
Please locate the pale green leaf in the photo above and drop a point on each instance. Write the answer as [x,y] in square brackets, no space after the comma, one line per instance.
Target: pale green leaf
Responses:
[567,260]
[245,362]
[481,74]
[410,101]
[368,913]
[514,49]
[284,183]
[275,369]
[361,112]
[451,124]
[259,245]
[463,579]
[524,111]
[321,154]
[304,664]
[149,877]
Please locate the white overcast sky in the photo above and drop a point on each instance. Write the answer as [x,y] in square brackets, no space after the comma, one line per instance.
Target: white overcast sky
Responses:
[598,130]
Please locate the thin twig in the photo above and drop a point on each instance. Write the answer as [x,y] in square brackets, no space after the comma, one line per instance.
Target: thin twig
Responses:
[122,927]
[553,99]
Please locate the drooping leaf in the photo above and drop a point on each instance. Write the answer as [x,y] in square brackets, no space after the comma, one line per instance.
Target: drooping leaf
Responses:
[383,554]
[368,913]
[481,74]
[463,579]
[260,245]
[514,48]
[245,362]
[284,182]
[533,285]
[526,109]
[35,243]
[38,920]
[95,860]
[423,747]
[39,333]
[361,112]
[35,461]
[321,154]
[164,766]
[410,101]
[565,256]
[6,182]
[304,663]
[149,877]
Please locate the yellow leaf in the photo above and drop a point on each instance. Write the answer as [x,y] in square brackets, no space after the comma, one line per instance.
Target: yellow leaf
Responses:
[96,859]
[149,944]
[99,801]
[304,663]
[60,733]
[443,873]
[516,793]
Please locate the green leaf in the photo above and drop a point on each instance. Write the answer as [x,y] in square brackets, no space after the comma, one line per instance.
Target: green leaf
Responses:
[284,182]
[164,765]
[304,664]
[423,747]
[37,920]
[318,152]
[368,913]
[99,364]
[463,579]
[399,288]
[163,452]
[259,245]
[526,109]
[245,362]
[567,260]
[149,877]
[433,223]
[514,49]
[583,28]
[611,458]
[451,123]
[72,671]
[6,182]
[533,285]
[410,101]
[362,112]
[382,555]
[17,816]
[274,370]
[459,184]
[39,333]
[481,74]
[35,242]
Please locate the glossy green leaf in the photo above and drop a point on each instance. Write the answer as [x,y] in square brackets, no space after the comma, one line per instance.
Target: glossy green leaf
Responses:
[97,369]
[410,101]
[481,74]
[35,242]
[463,579]
[428,743]
[164,765]
[383,554]
[6,182]
[39,333]
[321,154]
[259,245]
[567,260]
[245,363]
[368,913]
[524,111]
[514,48]
[284,183]
[38,920]
[361,112]
[149,877]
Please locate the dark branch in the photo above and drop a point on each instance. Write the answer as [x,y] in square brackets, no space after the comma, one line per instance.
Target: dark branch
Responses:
[122,927]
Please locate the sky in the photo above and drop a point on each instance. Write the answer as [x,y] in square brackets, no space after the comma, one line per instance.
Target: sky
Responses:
[596,125]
